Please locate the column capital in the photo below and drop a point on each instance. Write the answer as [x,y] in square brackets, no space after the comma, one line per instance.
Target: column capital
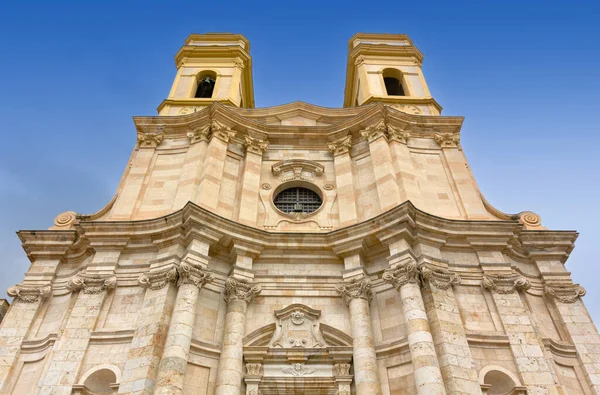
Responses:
[399,135]
[29,294]
[340,146]
[201,133]
[439,277]
[255,145]
[447,140]
[505,283]
[92,283]
[402,273]
[149,140]
[190,273]
[355,289]
[238,289]
[254,370]
[222,132]
[375,131]
[564,293]
[158,279]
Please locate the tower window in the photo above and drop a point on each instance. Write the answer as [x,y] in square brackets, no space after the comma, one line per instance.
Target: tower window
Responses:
[392,78]
[297,200]
[206,85]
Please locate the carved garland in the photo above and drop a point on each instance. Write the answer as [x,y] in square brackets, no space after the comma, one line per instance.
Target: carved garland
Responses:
[29,294]
[92,283]
[505,283]
[565,293]
[355,289]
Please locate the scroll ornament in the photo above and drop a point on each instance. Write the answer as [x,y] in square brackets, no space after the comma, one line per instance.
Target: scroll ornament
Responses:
[222,132]
[447,139]
[565,293]
[340,146]
[91,283]
[149,140]
[192,274]
[238,289]
[158,280]
[255,145]
[505,283]
[395,134]
[199,134]
[402,274]
[29,294]
[439,278]
[373,132]
[355,289]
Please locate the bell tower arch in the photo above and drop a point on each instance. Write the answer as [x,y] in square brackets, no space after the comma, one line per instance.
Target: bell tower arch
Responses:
[387,68]
[211,67]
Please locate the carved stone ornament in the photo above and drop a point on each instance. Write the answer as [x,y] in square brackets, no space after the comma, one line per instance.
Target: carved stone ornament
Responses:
[505,283]
[531,220]
[255,145]
[149,140]
[91,283]
[199,134]
[29,294]
[298,369]
[373,132]
[360,60]
[438,277]
[340,146]
[565,293]
[192,274]
[341,369]
[65,221]
[238,62]
[253,369]
[236,289]
[408,108]
[399,135]
[403,273]
[222,132]
[447,140]
[297,169]
[297,327]
[355,289]
[159,279]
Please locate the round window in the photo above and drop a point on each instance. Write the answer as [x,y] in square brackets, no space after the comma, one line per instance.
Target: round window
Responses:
[297,200]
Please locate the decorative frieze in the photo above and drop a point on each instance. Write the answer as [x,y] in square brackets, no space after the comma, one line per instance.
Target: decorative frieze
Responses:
[373,132]
[238,289]
[159,279]
[438,277]
[192,274]
[199,134]
[255,145]
[29,294]
[402,274]
[505,283]
[355,289]
[297,169]
[91,283]
[395,134]
[298,370]
[149,140]
[447,140]
[340,146]
[567,293]
[222,132]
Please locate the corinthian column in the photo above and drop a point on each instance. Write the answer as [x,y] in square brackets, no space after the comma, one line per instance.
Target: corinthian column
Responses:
[404,276]
[357,295]
[171,372]
[238,294]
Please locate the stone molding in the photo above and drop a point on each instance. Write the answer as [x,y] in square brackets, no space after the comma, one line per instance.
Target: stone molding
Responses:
[29,294]
[255,145]
[505,283]
[447,140]
[395,134]
[150,140]
[297,169]
[159,279]
[190,273]
[340,146]
[91,283]
[355,289]
[199,134]
[65,221]
[237,289]
[564,293]
[222,132]
[438,277]
[402,274]
[373,132]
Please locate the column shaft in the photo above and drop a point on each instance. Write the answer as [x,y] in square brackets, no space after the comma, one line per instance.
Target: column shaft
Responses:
[230,373]
[366,374]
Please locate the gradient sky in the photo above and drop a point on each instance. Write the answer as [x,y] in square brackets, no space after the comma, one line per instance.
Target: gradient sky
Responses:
[523,73]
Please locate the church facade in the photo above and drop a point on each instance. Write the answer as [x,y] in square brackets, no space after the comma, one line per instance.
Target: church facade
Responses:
[298,249]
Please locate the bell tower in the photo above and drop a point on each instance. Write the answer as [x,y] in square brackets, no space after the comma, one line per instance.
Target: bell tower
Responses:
[387,68]
[211,67]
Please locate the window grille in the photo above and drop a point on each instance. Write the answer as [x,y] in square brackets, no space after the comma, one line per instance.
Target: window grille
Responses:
[297,200]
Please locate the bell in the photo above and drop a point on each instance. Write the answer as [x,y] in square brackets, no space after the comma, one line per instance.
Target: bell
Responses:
[207,81]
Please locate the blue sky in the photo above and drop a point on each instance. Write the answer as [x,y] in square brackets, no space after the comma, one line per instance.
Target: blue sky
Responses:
[523,73]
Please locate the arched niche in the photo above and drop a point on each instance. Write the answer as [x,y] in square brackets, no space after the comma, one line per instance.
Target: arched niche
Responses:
[496,380]
[99,380]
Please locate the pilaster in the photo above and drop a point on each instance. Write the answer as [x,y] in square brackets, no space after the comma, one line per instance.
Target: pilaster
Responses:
[248,203]
[344,178]
[404,168]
